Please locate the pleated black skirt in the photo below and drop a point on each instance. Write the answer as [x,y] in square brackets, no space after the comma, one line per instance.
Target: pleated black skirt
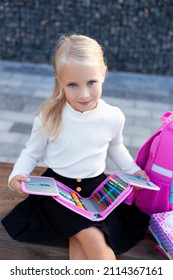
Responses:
[42,220]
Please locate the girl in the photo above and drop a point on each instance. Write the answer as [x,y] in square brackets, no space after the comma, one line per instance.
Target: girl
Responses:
[74,133]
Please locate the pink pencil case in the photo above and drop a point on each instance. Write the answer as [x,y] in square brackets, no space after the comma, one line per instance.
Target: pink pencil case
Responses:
[108,195]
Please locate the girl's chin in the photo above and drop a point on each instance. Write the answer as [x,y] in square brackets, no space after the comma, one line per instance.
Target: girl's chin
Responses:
[86,106]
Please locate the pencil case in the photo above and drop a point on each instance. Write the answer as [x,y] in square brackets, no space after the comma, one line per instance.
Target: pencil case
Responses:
[108,195]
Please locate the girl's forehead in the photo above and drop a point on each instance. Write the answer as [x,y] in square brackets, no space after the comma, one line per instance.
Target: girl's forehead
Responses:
[77,71]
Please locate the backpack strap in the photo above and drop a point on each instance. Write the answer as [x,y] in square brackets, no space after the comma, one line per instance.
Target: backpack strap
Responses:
[167,117]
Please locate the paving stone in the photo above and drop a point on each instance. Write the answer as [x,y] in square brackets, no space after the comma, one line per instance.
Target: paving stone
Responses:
[21,91]
[16,116]
[14,138]
[154,106]
[9,102]
[43,93]
[139,130]
[23,128]
[5,125]
[10,150]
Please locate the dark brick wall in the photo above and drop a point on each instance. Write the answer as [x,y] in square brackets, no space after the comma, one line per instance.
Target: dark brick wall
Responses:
[137,35]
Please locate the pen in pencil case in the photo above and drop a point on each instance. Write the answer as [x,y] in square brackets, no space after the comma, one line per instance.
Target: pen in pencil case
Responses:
[113,181]
[76,199]
[39,184]
[117,186]
[102,200]
[112,188]
[96,198]
[115,189]
[106,197]
[109,193]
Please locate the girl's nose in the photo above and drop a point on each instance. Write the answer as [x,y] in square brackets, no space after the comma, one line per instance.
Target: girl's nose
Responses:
[84,93]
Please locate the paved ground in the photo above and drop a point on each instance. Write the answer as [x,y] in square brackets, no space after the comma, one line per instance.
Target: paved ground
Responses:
[24,86]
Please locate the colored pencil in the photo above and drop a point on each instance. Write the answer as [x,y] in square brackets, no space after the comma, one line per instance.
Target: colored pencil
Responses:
[101,200]
[116,186]
[107,198]
[110,194]
[114,189]
[104,198]
[95,197]
[77,201]
[116,182]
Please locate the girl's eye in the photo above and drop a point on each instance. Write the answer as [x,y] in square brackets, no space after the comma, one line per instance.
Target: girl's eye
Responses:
[72,85]
[90,83]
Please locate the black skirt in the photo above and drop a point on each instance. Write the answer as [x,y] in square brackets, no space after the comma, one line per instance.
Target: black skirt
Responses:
[42,220]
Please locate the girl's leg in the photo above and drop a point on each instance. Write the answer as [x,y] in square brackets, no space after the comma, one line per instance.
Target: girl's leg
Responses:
[93,244]
[75,250]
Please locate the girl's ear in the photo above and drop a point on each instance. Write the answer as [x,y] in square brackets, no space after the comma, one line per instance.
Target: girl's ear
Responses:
[106,75]
[58,81]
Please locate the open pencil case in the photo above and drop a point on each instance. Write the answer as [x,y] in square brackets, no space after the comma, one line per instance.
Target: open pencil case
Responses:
[108,195]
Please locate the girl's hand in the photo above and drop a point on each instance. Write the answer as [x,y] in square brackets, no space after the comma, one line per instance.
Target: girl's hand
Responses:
[15,183]
[143,174]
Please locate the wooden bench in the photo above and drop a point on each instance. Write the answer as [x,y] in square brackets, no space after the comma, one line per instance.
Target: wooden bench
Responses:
[13,250]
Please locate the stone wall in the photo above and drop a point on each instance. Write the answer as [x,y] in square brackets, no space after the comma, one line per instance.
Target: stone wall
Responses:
[137,35]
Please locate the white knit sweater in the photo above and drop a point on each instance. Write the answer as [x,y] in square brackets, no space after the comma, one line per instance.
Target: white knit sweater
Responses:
[81,148]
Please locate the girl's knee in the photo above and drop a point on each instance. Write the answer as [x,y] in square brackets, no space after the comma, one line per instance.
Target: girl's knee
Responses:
[93,243]
[91,234]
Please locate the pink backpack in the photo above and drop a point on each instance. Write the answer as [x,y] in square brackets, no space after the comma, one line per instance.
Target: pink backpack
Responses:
[156,158]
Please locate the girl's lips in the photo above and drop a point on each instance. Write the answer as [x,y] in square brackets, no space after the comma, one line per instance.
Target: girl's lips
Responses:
[84,103]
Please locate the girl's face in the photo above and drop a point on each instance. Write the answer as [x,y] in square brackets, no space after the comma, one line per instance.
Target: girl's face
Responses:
[82,85]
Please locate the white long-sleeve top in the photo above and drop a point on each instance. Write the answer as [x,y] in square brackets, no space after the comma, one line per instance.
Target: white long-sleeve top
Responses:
[81,148]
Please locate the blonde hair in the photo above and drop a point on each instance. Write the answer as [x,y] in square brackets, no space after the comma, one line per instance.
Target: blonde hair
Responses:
[70,49]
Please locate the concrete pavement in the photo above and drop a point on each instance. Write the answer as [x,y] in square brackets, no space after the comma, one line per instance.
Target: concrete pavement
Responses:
[24,86]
